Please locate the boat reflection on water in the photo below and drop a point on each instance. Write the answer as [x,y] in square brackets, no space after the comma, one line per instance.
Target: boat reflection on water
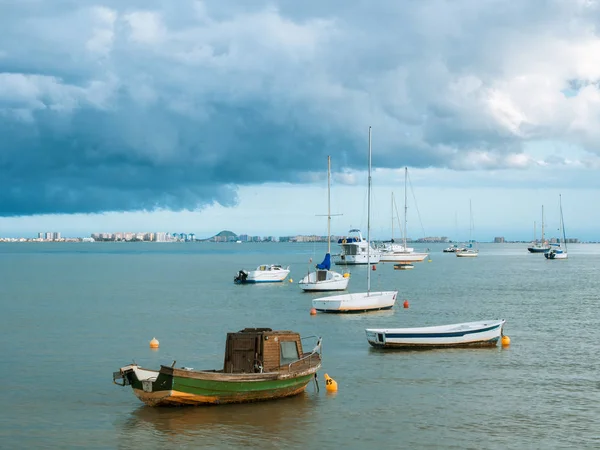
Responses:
[223,425]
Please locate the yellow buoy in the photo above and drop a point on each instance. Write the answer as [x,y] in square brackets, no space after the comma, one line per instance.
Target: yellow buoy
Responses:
[154,343]
[330,384]
[505,341]
[291,281]
[429,260]
[346,275]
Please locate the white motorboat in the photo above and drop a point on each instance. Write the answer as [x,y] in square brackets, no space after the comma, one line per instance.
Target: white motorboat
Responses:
[267,273]
[484,333]
[467,253]
[360,301]
[356,250]
[453,249]
[324,279]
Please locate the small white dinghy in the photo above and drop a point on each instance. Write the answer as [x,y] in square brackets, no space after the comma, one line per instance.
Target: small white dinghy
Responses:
[484,333]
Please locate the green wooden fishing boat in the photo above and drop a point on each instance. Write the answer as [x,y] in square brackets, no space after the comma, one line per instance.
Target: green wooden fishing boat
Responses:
[260,364]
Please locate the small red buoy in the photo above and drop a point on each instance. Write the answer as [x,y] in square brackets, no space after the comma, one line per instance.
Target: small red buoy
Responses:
[374,268]
[313,312]
[406,303]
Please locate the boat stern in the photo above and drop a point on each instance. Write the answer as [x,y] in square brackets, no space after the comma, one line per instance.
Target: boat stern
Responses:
[375,337]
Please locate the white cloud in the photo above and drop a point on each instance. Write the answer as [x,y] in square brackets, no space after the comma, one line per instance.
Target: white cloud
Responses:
[146,27]
[103,33]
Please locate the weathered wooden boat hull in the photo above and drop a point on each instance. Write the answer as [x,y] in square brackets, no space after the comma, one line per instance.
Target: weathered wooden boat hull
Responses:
[206,388]
[176,391]
[458,335]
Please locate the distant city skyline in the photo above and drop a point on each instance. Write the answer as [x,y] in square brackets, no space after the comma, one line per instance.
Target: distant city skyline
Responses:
[230,236]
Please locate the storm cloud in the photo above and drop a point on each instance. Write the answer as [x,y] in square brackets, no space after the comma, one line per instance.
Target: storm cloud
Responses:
[173,105]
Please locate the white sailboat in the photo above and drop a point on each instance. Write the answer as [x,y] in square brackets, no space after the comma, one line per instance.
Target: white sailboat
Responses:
[324,279]
[469,251]
[556,252]
[392,252]
[359,301]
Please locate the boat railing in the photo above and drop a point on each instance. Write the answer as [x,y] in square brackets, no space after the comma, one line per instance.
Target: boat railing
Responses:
[315,353]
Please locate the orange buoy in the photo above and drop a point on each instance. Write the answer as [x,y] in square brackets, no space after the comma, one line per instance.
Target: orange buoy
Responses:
[374,267]
[406,303]
[154,343]
[505,341]
[313,312]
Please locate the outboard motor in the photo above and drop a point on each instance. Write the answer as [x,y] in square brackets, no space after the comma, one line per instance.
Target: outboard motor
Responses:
[240,277]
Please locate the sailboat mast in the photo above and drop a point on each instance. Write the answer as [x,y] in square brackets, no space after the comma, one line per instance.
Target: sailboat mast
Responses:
[392,217]
[405,205]
[542,224]
[369,219]
[562,222]
[328,204]
[470,224]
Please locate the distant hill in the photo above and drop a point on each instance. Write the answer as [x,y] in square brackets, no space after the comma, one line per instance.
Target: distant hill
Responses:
[226,234]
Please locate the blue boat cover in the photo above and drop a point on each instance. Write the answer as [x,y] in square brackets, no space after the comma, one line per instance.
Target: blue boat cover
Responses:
[326,264]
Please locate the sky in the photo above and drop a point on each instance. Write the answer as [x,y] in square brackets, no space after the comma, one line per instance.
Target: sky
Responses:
[199,116]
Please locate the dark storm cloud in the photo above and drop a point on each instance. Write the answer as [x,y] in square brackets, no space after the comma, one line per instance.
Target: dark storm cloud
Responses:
[172,105]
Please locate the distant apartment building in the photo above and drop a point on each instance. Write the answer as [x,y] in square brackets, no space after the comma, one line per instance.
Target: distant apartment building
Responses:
[430,239]
[40,235]
[160,237]
[499,240]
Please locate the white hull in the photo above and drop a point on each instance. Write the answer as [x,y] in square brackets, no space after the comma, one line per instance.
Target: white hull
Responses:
[356,302]
[324,280]
[403,257]
[255,276]
[556,255]
[263,274]
[467,254]
[455,335]
[355,260]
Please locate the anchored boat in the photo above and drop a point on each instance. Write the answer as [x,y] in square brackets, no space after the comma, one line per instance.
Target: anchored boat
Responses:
[267,273]
[260,364]
[485,333]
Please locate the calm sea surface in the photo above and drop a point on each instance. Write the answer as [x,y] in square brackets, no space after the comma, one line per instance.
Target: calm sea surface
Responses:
[74,313]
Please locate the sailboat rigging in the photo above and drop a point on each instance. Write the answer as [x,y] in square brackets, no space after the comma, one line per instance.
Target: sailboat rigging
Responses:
[359,301]
[542,246]
[324,279]
[556,252]
[469,251]
[392,252]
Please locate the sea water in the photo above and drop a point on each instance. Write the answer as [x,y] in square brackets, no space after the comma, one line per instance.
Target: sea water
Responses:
[72,313]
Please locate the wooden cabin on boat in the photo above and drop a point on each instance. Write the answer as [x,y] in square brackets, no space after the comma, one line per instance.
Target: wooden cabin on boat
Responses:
[257,350]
